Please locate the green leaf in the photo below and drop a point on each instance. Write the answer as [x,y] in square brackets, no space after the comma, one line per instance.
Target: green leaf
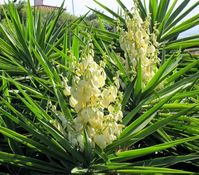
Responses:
[138,82]
[153,5]
[30,163]
[177,11]
[167,160]
[143,10]
[162,9]
[159,75]
[182,44]
[75,43]
[31,143]
[145,118]
[180,17]
[131,154]
[124,8]
[191,22]
[127,94]
[128,141]
[110,11]
[152,170]
[182,71]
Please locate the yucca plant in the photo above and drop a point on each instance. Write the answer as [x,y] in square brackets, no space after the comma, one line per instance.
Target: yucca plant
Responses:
[78,110]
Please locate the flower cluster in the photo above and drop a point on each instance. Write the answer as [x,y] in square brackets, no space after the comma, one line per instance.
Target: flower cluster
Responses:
[97,105]
[140,47]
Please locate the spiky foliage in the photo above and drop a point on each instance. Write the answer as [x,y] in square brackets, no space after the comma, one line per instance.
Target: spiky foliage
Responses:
[35,112]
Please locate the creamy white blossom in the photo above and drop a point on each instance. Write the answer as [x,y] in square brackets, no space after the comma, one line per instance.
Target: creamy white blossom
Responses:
[140,47]
[97,105]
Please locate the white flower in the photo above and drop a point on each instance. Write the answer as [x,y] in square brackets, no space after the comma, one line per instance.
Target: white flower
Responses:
[67,90]
[108,96]
[100,140]
[98,78]
[90,97]
[72,101]
[139,44]
[151,49]
[80,141]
